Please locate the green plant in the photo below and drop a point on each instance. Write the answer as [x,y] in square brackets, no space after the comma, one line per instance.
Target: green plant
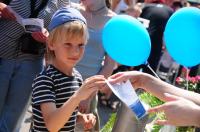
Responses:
[109,125]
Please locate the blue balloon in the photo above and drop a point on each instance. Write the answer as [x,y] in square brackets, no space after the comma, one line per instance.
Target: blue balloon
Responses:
[126,40]
[182,36]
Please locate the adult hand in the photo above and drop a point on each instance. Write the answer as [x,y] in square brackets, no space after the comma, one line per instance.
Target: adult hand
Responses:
[178,111]
[6,12]
[41,36]
[135,77]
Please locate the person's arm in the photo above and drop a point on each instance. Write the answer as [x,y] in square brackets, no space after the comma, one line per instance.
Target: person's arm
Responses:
[55,118]
[197,117]
[129,2]
[154,85]
[107,70]
[158,87]
[108,67]
[114,4]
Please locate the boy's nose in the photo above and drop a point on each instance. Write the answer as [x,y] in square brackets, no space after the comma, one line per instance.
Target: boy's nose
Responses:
[75,50]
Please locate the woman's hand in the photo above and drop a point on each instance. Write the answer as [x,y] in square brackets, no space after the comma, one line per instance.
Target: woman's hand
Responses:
[136,78]
[178,111]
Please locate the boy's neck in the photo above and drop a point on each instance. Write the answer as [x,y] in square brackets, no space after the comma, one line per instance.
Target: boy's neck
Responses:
[63,68]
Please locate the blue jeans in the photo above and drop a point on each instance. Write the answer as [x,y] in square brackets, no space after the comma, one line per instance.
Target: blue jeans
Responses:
[16,77]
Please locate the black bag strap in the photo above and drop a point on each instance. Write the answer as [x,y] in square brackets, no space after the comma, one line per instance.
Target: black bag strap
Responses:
[7,2]
[35,12]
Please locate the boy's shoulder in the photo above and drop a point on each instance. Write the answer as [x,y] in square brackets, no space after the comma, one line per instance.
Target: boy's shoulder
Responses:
[46,73]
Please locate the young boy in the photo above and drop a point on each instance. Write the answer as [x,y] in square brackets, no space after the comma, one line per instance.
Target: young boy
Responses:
[55,96]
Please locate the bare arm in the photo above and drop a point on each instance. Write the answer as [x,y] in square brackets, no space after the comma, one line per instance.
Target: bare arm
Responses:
[55,118]
[153,85]
[129,2]
[182,108]
[114,4]
[108,67]
[158,88]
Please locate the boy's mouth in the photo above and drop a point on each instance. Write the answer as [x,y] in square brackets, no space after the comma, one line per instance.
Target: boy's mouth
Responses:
[74,59]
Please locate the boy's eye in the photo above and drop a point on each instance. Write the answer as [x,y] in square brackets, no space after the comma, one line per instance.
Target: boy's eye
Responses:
[67,44]
[81,45]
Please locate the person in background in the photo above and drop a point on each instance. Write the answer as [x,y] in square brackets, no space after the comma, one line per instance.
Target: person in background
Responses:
[134,11]
[56,93]
[119,6]
[158,15]
[18,68]
[75,1]
[181,107]
[108,3]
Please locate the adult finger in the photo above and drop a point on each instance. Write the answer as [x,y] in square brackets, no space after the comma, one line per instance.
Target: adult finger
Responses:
[117,78]
[170,97]
[162,122]
[157,109]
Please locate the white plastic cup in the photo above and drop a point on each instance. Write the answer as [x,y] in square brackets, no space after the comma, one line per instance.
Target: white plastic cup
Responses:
[126,93]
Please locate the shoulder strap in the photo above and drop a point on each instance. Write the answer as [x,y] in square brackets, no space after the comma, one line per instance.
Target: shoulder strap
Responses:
[35,12]
[7,2]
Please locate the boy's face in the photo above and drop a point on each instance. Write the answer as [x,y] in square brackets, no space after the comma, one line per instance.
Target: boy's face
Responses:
[69,52]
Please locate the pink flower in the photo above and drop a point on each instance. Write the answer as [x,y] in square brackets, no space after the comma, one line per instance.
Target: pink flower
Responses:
[198,78]
[192,79]
[179,80]
[192,85]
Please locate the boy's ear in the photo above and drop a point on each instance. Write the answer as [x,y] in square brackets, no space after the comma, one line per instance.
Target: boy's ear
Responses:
[50,45]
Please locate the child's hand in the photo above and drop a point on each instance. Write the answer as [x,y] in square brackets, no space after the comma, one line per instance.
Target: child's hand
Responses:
[90,85]
[84,106]
[89,121]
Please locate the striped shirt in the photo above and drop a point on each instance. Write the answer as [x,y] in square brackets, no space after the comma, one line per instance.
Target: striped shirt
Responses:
[11,31]
[51,85]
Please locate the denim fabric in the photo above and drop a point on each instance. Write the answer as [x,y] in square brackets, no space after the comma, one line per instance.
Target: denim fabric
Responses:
[16,77]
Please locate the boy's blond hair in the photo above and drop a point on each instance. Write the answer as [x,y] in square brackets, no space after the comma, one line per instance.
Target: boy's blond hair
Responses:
[67,31]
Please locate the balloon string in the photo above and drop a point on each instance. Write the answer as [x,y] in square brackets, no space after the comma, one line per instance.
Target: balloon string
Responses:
[153,71]
[187,77]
